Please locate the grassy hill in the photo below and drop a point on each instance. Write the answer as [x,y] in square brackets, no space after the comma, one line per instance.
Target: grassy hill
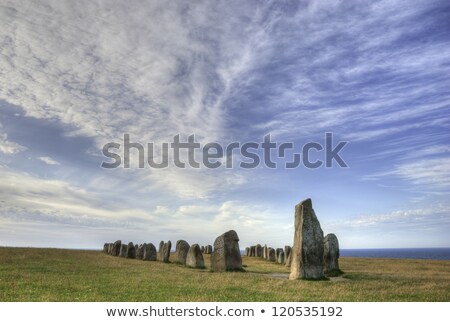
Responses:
[34,274]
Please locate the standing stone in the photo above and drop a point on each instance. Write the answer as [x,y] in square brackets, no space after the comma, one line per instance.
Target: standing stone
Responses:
[265,252]
[161,245]
[202,249]
[280,258]
[131,251]
[247,251]
[252,251]
[166,251]
[289,260]
[277,252]
[258,251]
[194,257]
[149,252]
[181,251]
[105,248]
[116,248]
[209,249]
[226,255]
[123,250]
[140,252]
[331,253]
[271,257]
[287,251]
[307,253]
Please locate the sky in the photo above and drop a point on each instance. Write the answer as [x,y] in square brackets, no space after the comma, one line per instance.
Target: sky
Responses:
[76,75]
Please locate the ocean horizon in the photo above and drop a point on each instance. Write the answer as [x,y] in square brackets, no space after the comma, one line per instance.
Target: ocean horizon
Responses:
[439,253]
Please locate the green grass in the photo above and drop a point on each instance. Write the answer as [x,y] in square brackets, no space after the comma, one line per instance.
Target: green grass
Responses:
[33,274]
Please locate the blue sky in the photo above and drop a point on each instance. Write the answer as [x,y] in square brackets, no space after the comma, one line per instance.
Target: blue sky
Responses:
[77,75]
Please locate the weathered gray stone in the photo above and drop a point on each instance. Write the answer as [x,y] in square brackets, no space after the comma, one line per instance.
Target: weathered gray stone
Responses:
[202,249]
[258,251]
[271,255]
[149,252]
[131,250]
[265,252]
[123,250]
[331,253]
[289,259]
[181,251]
[209,249]
[247,251]
[166,251]
[194,257]
[226,255]
[277,252]
[105,248]
[140,252]
[280,258]
[161,245]
[252,251]
[307,253]
[116,248]
[287,251]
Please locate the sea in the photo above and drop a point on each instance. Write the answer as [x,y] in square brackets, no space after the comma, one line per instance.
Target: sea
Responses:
[414,253]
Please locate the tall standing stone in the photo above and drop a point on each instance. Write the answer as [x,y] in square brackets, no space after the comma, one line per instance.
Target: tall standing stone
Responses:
[194,257]
[181,251]
[131,250]
[289,260]
[287,251]
[258,251]
[331,253]
[226,255]
[271,257]
[280,258]
[209,249]
[252,251]
[149,252]
[140,252]
[265,252]
[307,253]
[247,251]
[166,251]
[123,250]
[116,248]
[277,252]
[202,249]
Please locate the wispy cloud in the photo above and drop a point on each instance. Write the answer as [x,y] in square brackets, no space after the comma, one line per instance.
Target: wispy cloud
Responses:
[8,147]
[48,160]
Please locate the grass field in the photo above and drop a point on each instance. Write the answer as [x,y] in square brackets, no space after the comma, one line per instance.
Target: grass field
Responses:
[33,274]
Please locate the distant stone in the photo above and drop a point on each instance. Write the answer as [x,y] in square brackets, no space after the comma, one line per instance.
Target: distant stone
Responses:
[258,251]
[271,257]
[166,251]
[161,245]
[181,251]
[280,258]
[226,255]
[287,251]
[247,251]
[252,251]
[289,260]
[116,248]
[149,252]
[209,249]
[123,250]
[202,249]
[331,253]
[140,252]
[105,248]
[265,252]
[307,253]
[131,250]
[277,252]
[194,257]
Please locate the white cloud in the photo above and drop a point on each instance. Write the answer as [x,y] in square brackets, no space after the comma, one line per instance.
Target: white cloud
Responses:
[8,147]
[49,161]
